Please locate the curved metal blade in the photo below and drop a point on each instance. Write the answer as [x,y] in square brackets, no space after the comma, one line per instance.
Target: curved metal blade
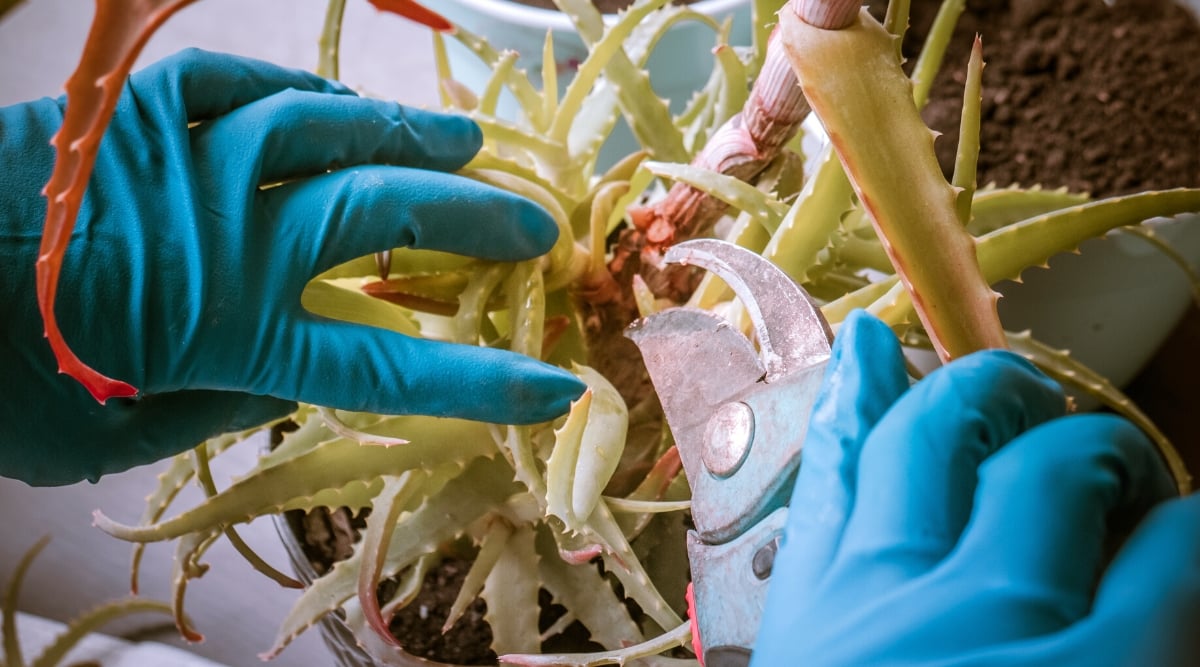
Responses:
[792,333]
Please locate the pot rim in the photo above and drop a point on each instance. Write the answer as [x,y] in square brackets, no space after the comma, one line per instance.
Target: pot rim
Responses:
[536,17]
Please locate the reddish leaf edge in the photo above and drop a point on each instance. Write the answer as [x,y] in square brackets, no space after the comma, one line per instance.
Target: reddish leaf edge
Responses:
[118,33]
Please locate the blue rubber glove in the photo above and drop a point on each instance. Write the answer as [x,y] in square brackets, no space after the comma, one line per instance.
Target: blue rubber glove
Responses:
[964,522]
[183,277]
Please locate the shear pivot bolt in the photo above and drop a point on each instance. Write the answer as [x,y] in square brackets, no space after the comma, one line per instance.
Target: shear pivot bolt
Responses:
[727,439]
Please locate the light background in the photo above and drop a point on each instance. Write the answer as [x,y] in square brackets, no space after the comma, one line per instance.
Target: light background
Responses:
[236,608]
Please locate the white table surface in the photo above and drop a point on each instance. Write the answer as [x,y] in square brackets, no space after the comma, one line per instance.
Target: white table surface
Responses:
[235,607]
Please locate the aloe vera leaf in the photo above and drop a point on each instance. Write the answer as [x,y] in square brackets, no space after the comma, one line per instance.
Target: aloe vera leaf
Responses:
[644,298]
[444,515]
[80,627]
[1148,235]
[343,299]
[511,592]
[171,481]
[472,304]
[489,162]
[601,50]
[409,585]
[260,565]
[1067,370]
[603,442]
[584,593]
[309,433]
[628,506]
[587,450]
[451,92]
[528,98]
[762,18]
[680,636]
[492,545]
[562,464]
[489,99]
[397,491]
[12,596]
[854,83]
[653,488]
[813,219]
[647,114]
[993,208]
[512,135]
[1004,253]
[967,156]
[766,210]
[330,40]
[599,113]
[550,92]
[186,566]
[835,311]
[330,466]
[895,21]
[345,430]
[604,204]
[929,62]
[624,564]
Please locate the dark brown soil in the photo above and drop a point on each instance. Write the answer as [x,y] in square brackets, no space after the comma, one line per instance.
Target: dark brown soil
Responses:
[605,6]
[1076,93]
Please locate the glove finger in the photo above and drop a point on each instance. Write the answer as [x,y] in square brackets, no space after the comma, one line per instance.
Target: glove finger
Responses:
[1146,609]
[355,367]
[1044,506]
[301,133]
[367,209]
[917,470]
[864,378]
[1150,596]
[207,84]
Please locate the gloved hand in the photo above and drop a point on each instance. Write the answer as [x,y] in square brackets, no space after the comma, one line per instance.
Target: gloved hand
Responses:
[964,522]
[183,277]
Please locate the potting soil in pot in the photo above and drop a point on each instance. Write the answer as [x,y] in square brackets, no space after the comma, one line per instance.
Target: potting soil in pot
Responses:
[1075,92]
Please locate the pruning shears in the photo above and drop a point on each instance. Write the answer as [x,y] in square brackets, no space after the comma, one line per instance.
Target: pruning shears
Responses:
[739,414]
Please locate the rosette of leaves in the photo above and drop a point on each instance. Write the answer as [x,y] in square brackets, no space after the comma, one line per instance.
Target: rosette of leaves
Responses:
[591,509]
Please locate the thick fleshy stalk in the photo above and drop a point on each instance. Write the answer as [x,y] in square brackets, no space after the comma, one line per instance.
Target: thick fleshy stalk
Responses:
[853,80]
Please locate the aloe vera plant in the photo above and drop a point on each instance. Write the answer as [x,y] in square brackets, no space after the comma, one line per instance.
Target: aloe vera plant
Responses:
[56,651]
[868,221]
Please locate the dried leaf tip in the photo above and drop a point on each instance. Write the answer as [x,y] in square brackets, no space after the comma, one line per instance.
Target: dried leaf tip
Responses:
[827,14]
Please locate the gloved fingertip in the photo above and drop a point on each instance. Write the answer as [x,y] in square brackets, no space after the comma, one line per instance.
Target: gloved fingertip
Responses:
[542,392]
[864,336]
[446,141]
